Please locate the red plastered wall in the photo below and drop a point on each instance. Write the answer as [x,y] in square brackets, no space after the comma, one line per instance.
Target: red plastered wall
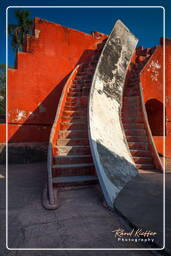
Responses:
[2,133]
[35,86]
[153,88]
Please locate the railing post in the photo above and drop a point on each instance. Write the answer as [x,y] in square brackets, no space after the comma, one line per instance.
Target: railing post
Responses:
[50,183]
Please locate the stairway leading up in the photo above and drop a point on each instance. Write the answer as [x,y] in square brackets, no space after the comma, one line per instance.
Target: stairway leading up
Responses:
[133,117]
[71,161]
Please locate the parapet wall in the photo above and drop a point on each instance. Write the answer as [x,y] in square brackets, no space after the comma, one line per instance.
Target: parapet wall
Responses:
[35,86]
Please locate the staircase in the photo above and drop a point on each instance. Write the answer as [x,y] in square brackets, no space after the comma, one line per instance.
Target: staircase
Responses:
[132,116]
[69,157]
[73,163]
[70,161]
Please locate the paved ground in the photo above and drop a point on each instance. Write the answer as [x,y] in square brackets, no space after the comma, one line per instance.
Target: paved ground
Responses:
[81,221]
[141,202]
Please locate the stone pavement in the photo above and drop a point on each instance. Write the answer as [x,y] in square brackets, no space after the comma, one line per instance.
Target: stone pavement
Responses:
[141,202]
[81,221]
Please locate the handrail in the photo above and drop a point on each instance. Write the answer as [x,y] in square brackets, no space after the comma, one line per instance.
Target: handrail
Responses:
[55,127]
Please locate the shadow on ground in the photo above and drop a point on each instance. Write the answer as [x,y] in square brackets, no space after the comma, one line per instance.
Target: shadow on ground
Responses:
[80,222]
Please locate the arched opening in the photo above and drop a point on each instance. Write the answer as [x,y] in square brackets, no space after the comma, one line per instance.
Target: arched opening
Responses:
[154,110]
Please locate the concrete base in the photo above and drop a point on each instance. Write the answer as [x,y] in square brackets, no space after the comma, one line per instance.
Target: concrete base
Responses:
[21,153]
[45,199]
[141,203]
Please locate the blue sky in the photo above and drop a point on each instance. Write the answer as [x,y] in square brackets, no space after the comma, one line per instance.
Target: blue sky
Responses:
[145,23]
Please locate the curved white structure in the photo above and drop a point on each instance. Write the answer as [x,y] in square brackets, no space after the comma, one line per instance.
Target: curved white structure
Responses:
[114,164]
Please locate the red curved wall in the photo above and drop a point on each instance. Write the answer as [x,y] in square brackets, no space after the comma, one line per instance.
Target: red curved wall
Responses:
[35,86]
[152,83]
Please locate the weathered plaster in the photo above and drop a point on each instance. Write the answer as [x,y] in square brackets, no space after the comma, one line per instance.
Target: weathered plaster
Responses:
[20,115]
[154,67]
[114,164]
[36,32]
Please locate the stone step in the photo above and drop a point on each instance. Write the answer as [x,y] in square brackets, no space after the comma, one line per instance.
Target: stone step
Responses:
[134,119]
[145,166]
[92,63]
[139,132]
[79,107]
[73,125]
[130,90]
[148,171]
[73,142]
[83,73]
[86,76]
[132,84]
[75,180]
[143,160]
[73,150]
[131,113]
[138,145]
[75,89]
[79,89]
[136,138]
[84,91]
[73,169]
[95,59]
[85,81]
[74,113]
[87,66]
[140,152]
[77,103]
[134,78]
[130,94]
[130,125]
[74,118]
[73,159]
[74,94]
[72,99]
[131,107]
[63,134]
[80,85]
[89,69]
[132,99]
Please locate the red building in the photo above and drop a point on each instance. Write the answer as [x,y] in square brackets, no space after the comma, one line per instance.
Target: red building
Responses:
[48,58]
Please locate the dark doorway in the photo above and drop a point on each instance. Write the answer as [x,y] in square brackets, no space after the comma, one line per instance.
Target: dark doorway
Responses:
[154,110]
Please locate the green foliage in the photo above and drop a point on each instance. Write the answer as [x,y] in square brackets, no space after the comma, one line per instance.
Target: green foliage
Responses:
[2,89]
[18,31]
[2,75]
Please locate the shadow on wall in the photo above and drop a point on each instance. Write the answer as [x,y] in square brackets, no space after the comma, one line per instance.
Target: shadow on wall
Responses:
[22,145]
[117,168]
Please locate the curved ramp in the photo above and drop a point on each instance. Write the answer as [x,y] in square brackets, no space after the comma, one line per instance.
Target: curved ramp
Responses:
[114,164]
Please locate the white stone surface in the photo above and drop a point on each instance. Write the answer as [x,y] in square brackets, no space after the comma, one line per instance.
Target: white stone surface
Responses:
[114,164]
